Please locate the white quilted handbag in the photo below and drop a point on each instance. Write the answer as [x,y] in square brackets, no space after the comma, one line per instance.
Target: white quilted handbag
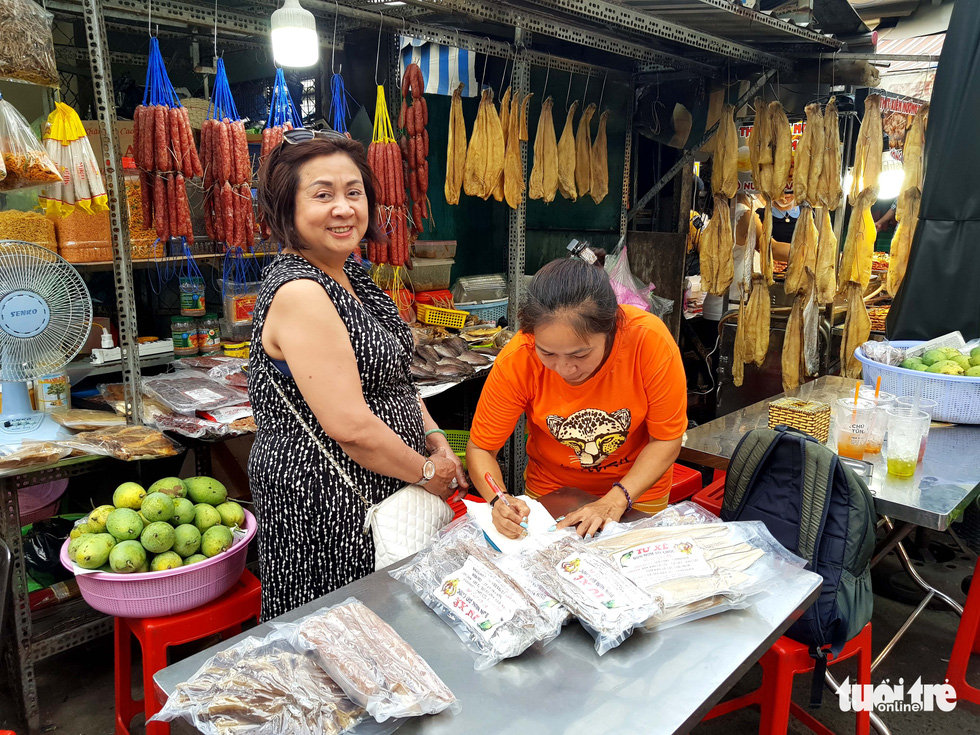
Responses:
[401,524]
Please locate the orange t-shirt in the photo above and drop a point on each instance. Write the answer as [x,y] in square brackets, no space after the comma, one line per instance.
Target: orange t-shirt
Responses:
[589,435]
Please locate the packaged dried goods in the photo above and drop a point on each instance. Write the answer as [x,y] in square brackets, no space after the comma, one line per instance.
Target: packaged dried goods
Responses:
[697,569]
[81,182]
[24,158]
[27,51]
[31,454]
[124,442]
[262,687]
[489,612]
[84,419]
[185,392]
[607,603]
[29,227]
[84,237]
[370,662]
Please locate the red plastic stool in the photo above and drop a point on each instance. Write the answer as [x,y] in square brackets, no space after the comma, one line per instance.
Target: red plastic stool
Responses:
[155,635]
[686,482]
[967,642]
[780,664]
[712,496]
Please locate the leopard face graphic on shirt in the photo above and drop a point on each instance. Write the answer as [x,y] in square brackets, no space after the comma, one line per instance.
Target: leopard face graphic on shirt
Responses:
[591,433]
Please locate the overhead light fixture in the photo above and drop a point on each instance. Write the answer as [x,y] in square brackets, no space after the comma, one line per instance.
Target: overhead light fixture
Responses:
[294,39]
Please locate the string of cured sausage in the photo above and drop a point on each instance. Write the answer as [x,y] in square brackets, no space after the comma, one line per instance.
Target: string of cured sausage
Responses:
[414,142]
[385,160]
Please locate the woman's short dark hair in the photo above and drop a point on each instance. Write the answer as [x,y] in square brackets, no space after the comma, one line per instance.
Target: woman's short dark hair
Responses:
[574,291]
[279,181]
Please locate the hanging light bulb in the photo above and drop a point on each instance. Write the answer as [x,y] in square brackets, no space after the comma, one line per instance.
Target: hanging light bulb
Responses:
[294,39]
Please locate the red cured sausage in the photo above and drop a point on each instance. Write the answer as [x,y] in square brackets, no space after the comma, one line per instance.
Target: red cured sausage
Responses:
[184,210]
[176,148]
[249,219]
[413,185]
[401,114]
[228,212]
[223,151]
[217,214]
[172,218]
[425,112]
[184,159]
[195,161]
[396,164]
[137,136]
[161,138]
[208,215]
[242,158]
[159,207]
[206,144]
[146,196]
[417,216]
[147,131]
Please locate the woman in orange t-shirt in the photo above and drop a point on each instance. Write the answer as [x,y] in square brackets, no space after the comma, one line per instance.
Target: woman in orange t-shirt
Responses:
[605,396]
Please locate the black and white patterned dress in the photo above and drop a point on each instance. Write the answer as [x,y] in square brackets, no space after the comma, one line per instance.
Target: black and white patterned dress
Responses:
[310,522]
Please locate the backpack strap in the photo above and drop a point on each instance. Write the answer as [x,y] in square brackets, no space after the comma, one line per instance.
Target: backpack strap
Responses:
[819,465]
[749,454]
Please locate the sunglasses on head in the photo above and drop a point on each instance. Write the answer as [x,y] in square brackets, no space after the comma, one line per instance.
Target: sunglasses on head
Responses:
[302,135]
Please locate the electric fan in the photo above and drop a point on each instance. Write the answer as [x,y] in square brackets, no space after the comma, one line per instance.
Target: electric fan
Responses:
[45,318]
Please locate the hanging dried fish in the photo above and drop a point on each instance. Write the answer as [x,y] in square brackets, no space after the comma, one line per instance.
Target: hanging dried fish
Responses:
[456,148]
[782,161]
[724,172]
[583,152]
[600,162]
[857,329]
[802,252]
[901,247]
[867,154]
[544,176]
[792,357]
[826,260]
[566,156]
[718,250]
[829,192]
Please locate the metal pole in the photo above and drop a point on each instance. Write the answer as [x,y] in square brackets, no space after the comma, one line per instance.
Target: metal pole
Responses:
[516,255]
[627,159]
[122,268]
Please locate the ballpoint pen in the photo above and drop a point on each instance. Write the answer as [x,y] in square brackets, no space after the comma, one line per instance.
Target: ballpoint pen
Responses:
[500,494]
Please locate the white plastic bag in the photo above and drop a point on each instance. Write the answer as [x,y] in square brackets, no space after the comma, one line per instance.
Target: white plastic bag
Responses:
[457,578]
[262,686]
[370,662]
[605,601]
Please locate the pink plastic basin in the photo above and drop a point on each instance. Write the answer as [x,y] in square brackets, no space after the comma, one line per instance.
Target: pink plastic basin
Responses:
[153,594]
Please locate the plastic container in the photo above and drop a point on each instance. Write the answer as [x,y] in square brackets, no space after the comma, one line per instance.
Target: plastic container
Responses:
[477,289]
[29,227]
[434,248]
[236,349]
[442,298]
[142,236]
[191,296]
[957,396]
[430,275]
[183,332]
[488,311]
[153,594]
[209,335]
[239,301]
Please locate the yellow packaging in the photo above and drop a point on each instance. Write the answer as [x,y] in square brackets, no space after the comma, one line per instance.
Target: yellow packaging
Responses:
[52,393]
[237,349]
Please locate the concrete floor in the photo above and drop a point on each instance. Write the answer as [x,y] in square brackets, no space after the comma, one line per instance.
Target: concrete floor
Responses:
[76,687]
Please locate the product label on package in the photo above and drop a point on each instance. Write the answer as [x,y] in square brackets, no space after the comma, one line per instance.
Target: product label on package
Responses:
[953,339]
[244,307]
[602,589]
[511,566]
[203,394]
[478,597]
[651,564]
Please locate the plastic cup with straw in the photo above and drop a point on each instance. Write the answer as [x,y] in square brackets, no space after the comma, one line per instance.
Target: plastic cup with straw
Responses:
[853,422]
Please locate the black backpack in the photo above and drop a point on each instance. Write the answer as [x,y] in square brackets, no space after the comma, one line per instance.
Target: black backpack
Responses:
[819,509]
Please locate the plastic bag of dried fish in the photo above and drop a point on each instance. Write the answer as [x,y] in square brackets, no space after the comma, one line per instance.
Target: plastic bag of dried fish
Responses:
[370,662]
[605,601]
[698,570]
[457,578]
[262,686]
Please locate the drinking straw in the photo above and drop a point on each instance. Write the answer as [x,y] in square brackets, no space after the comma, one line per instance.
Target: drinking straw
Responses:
[857,389]
[877,387]
[915,399]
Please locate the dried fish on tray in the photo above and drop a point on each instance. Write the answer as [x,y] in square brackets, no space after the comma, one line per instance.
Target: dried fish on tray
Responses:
[490,613]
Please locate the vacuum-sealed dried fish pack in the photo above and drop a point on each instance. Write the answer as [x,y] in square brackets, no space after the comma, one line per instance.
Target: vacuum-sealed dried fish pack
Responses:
[371,663]
[262,686]
[457,578]
[698,570]
[605,601]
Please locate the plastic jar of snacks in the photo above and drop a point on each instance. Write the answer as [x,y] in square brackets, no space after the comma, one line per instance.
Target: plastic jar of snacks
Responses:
[29,227]
[209,335]
[183,331]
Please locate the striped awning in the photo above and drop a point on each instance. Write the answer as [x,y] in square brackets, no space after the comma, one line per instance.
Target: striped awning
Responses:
[443,67]
[917,45]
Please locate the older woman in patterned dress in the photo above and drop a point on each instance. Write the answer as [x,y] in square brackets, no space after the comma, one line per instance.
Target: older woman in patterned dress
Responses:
[328,343]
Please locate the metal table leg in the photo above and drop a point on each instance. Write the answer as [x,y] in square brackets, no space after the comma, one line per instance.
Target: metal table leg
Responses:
[23,665]
[896,534]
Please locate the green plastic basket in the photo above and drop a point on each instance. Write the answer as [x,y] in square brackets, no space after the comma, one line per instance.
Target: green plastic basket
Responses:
[457,442]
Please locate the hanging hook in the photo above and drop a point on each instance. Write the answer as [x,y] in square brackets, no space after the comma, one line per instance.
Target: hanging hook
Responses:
[377,59]
[602,91]
[215,28]
[547,73]
[149,18]
[569,92]
[588,78]
[503,75]
[333,45]
[485,62]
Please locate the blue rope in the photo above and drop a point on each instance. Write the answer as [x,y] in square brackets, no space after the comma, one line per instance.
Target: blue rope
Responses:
[158,90]
[281,107]
[222,104]
[339,109]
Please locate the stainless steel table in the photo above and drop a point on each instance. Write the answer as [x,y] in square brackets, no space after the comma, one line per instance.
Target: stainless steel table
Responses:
[945,482]
[653,683]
